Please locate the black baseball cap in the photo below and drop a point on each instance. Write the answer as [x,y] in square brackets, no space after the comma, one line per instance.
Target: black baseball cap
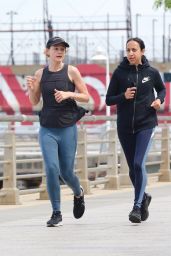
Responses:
[56,40]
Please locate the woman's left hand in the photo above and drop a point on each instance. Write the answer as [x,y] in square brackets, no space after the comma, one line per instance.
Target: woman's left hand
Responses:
[61,95]
[156,104]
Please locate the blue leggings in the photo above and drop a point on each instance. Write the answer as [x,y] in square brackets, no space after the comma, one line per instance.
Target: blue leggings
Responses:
[58,147]
[136,147]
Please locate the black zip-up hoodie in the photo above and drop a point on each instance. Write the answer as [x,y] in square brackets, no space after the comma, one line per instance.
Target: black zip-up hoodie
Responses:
[136,114]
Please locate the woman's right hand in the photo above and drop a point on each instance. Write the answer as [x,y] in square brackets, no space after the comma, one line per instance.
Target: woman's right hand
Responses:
[30,82]
[33,85]
[130,93]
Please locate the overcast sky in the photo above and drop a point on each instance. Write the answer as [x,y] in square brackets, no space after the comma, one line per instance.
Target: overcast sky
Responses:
[32,10]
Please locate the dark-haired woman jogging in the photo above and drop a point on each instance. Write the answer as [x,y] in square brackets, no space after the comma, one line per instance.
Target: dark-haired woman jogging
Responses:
[132,89]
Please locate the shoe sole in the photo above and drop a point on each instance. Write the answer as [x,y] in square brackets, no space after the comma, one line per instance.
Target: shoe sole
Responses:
[79,216]
[55,225]
[146,214]
[134,219]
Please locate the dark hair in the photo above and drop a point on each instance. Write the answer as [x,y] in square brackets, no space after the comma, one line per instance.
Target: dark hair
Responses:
[138,40]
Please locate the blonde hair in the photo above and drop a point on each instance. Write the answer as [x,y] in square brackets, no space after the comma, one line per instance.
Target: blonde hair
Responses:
[47,49]
[45,52]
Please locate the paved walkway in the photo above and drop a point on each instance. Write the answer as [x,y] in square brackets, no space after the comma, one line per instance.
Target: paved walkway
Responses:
[104,229]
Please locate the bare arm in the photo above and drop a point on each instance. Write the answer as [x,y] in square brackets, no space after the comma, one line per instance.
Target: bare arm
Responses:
[33,85]
[81,95]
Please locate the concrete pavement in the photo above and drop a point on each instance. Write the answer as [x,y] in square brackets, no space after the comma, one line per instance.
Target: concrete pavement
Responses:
[103,230]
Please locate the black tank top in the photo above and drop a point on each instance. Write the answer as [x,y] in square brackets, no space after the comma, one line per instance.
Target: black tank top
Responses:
[54,114]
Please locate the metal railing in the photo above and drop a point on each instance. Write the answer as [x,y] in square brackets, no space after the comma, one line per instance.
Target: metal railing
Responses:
[110,167]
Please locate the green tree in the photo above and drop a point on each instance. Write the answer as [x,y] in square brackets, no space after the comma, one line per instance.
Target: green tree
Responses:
[165,3]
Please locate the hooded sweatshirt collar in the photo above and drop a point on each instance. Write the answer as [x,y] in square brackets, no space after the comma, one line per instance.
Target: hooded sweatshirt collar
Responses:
[125,64]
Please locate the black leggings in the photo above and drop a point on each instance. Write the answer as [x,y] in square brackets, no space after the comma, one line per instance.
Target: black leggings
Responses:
[136,147]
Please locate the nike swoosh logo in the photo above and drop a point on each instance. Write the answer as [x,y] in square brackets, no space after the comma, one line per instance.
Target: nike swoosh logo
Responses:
[146,79]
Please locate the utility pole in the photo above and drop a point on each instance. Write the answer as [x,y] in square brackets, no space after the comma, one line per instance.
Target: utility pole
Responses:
[169,44]
[108,36]
[47,23]
[164,34]
[76,49]
[128,19]
[153,37]
[85,47]
[45,18]
[11,56]
[50,28]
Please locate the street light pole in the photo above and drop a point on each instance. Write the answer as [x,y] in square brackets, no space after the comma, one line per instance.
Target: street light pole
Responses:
[164,34]
[169,44]
[153,37]
[107,82]
[99,56]
[11,13]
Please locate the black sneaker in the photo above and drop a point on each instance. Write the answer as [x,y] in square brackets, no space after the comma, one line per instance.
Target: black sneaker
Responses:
[135,215]
[55,220]
[79,206]
[144,207]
